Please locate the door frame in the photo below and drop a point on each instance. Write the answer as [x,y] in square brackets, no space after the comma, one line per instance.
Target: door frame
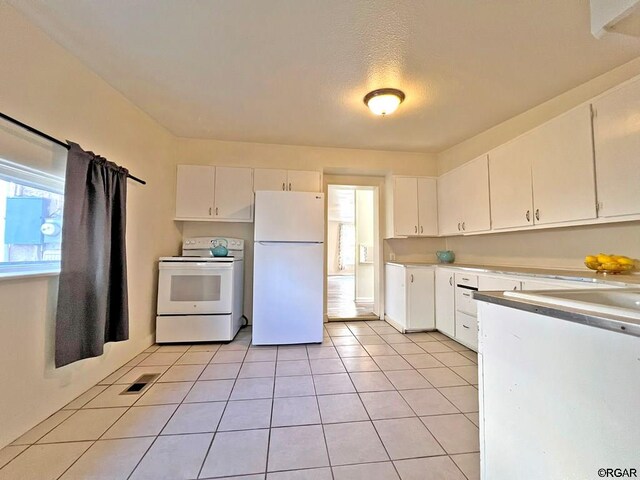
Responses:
[377,185]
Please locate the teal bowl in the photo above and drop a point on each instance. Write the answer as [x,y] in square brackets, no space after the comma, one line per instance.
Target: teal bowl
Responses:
[445,256]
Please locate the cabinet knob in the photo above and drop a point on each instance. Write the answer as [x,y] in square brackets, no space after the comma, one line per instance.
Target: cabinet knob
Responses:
[537,214]
[528,216]
[216,211]
[421,229]
[416,228]
[412,278]
[289,186]
[283,186]
[451,281]
[458,226]
[463,227]
[209,211]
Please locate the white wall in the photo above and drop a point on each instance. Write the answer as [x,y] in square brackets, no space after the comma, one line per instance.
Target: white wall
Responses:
[43,85]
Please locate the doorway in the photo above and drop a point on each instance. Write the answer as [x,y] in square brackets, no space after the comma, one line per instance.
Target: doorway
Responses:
[351,255]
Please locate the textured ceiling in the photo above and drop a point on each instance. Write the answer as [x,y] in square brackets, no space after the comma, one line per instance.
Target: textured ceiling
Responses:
[295,71]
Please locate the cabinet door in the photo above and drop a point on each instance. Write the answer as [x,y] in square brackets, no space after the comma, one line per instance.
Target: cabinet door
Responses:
[510,181]
[405,206]
[269,179]
[563,170]
[421,299]
[449,211]
[617,143]
[473,182]
[194,191]
[234,193]
[445,302]
[395,294]
[303,181]
[427,206]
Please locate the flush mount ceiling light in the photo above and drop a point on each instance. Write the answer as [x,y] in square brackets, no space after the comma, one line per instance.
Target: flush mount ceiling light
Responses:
[384,100]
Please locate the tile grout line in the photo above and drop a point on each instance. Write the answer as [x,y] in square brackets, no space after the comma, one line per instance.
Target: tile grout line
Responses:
[204,459]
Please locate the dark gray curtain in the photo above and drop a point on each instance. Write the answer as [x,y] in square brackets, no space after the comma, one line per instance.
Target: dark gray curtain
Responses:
[92,296]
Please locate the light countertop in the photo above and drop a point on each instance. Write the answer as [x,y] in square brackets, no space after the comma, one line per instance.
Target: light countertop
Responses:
[585,275]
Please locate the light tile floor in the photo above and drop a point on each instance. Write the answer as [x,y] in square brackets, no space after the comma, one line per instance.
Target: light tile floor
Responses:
[369,403]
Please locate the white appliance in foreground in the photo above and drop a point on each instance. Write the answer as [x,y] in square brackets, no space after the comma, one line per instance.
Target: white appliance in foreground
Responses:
[288,286]
[200,297]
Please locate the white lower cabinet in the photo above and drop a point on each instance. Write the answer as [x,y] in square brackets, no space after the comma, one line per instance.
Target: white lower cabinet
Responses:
[410,297]
[445,302]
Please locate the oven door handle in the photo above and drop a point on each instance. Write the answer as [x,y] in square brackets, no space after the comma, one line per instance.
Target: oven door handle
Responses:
[196,266]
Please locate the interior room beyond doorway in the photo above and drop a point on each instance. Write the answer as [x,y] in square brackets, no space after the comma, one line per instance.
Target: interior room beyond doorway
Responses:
[350,252]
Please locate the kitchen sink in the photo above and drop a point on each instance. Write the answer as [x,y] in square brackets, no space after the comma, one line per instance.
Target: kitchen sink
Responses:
[622,303]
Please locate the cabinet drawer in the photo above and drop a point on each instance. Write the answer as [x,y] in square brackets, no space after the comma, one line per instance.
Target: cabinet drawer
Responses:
[467,280]
[465,302]
[467,329]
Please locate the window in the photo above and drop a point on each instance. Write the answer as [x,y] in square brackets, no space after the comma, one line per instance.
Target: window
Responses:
[31,204]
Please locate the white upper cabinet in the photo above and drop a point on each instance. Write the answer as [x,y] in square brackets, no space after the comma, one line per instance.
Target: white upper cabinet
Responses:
[194,191]
[463,198]
[234,194]
[286,180]
[448,213]
[427,206]
[303,181]
[617,148]
[563,168]
[474,181]
[511,189]
[415,207]
[214,193]
[269,179]
[545,176]
[405,206]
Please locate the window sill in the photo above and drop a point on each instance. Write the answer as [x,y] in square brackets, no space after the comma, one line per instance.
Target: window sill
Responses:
[22,275]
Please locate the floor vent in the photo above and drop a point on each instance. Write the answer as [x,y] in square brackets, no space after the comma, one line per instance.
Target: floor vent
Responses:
[140,384]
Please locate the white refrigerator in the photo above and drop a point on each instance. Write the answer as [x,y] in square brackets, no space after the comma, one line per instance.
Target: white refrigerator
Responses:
[288,268]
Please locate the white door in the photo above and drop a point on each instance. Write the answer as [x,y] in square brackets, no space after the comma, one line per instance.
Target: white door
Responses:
[289,217]
[473,195]
[288,293]
[563,170]
[234,193]
[405,206]
[617,143]
[449,211]
[510,181]
[445,301]
[303,181]
[269,179]
[195,191]
[427,206]
[421,297]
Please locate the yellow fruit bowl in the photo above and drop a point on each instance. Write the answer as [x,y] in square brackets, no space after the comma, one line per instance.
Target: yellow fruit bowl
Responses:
[611,267]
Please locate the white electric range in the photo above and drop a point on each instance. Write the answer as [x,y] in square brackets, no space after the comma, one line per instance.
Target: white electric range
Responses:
[200,297]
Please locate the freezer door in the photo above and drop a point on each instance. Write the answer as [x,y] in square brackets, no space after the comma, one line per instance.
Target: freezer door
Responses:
[289,217]
[288,293]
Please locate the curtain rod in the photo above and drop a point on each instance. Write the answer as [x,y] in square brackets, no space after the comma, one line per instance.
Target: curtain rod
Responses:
[52,139]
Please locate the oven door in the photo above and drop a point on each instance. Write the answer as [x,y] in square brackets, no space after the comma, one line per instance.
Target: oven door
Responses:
[196,288]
